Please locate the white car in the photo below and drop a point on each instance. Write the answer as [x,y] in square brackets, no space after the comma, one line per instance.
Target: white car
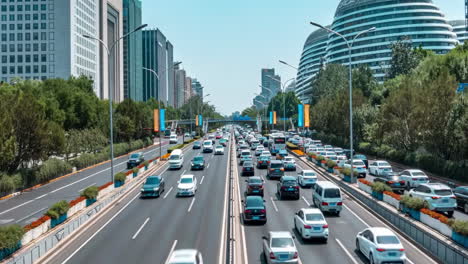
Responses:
[219,150]
[259,150]
[265,152]
[438,196]
[173,139]
[185,256]
[307,178]
[380,245]
[359,167]
[341,160]
[279,247]
[379,167]
[289,164]
[413,177]
[187,185]
[338,151]
[311,223]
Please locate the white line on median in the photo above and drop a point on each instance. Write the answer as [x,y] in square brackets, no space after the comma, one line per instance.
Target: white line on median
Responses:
[31,214]
[42,196]
[274,204]
[191,204]
[172,250]
[87,187]
[183,172]
[208,166]
[202,179]
[305,200]
[346,251]
[168,193]
[141,227]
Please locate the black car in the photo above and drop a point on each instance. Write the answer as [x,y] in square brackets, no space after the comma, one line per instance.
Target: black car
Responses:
[461,194]
[135,159]
[392,180]
[153,187]
[254,209]
[247,169]
[198,163]
[288,187]
[275,169]
[254,186]
[196,145]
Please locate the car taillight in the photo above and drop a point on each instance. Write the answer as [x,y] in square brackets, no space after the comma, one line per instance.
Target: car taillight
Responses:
[268,162]
[307,227]
[453,197]
[339,203]
[295,255]
[435,197]
[402,182]
[296,187]
[390,182]
[324,203]
[260,161]
[283,187]
[380,249]
[402,249]
[325,226]
[354,167]
[414,179]
[272,255]
[281,169]
[263,211]
[247,211]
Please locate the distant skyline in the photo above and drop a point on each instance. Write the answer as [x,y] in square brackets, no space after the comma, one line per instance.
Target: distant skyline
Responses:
[225,44]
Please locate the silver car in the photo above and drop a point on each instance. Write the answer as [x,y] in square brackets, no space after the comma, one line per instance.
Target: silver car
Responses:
[279,247]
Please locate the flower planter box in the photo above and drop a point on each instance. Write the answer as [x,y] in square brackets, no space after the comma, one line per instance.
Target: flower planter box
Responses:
[146,168]
[377,195]
[141,171]
[347,178]
[90,202]
[324,165]
[27,237]
[460,239]
[135,174]
[416,215]
[391,201]
[46,226]
[318,163]
[129,177]
[58,221]
[364,187]
[330,170]
[118,184]
[436,224]
[4,253]
[336,172]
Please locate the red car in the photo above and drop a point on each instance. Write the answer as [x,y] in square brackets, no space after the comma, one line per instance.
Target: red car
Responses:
[218,136]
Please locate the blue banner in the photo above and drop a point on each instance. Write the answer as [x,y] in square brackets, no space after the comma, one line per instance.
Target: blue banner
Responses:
[271,118]
[200,120]
[461,87]
[162,119]
[300,115]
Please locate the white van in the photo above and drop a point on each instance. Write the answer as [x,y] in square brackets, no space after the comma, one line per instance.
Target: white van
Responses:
[176,159]
[207,146]
[173,139]
[327,197]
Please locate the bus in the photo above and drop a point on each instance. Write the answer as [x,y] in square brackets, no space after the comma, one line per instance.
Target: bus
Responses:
[277,143]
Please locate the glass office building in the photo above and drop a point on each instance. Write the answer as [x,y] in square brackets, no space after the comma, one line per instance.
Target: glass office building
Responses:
[459,28]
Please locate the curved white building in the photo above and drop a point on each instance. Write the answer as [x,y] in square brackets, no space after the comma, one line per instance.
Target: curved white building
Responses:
[459,28]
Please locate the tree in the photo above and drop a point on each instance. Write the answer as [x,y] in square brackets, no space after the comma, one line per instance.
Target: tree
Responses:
[328,80]
[404,57]
[252,112]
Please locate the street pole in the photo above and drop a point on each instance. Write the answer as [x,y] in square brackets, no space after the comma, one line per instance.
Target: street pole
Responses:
[111,90]
[283,89]
[350,47]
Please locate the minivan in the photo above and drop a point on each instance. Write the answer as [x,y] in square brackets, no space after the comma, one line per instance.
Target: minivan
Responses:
[327,197]
[173,139]
[275,169]
[176,159]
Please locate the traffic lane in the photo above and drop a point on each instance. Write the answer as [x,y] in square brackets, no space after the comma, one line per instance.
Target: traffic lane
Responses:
[115,244]
[25,208]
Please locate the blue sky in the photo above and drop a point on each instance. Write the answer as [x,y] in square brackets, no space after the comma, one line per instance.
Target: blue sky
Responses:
[224,44]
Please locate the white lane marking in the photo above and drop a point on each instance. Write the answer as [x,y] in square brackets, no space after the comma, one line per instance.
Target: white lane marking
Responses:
[42,196]
[223,224]
[100,229]
[201,182]
[346,251]
[208,166]
[360,219]
[168,192]
[141,227]
[274,204]
[305,200]
[15,207]
[172,250]
[31,214]
[263,179]
[87,187]
[183,172]
[191,204]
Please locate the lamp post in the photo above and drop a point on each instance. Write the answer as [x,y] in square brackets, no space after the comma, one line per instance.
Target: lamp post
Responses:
[287,64]
[190,117]
[111,90]
[283,90]
[271,93]
[264,104]
[200,106]
[350,47]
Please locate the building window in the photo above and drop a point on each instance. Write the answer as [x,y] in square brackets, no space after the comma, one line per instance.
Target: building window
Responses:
[43,25]
[20,69]
[35,47]
[43,7]
[19,17]
[28,69]
[12,58]
[35,58]
[28,58]
[43,58]
[35,36]
[35,69]
[4,48]
[43,46]
[20,26]
[12,69]
[4,70]
[43,16]
[35,8]
[27,7]
[4,37]
[12,36]
[43,68]
[43,36]
[27,36]
[27,17]
[12,47]
[4,59]
[12,8]
[20,47]
[19,36]
[27,26]
[28,47]
[20,58]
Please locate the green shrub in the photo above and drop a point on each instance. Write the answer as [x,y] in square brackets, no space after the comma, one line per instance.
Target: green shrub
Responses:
[51,169]
[331,163]
[365,147]
[135,169]
[460,226]
[10,236]
[413,202]
[148,141]
[346,171]
[137,144]
[58,209]
[146,163]
[120,177]
[10,183]
[320,158]
[85,160]
[169,150]
[90,193]
[380,187]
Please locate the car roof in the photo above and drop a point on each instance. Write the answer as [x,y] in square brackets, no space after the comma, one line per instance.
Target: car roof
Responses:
[436,185]
[327,184]
[276,161]
[308,171]
[253,198]
[255,178]
[381,231]
[414,170]
[181,255]
[279,234]
[187,176]
[311,211]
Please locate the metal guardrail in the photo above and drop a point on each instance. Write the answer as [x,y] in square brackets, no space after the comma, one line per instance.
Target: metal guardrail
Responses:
[230,224]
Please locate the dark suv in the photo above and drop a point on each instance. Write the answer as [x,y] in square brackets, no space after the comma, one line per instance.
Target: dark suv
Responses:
[288,187]
[392,180]
[247,169]
[275,169]
[254,186]
[135,159]
[254,209]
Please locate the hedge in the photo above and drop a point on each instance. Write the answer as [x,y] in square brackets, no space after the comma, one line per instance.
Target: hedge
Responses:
[58,209]
[380,187]
[346,171]
[10,183]
[331,163]
[10,236]
[459,226]
[120,177]
[90,193]
[413,202]
[51,169]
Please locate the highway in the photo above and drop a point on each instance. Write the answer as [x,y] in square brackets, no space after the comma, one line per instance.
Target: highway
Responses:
[28,206]
[343,229]
[147,230]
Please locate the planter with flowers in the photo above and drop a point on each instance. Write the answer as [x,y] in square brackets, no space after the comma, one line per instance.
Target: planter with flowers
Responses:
[378,188]
[319,160]
[36,229]
[91,194]
[105,189]
[412,206]
[460,232]
[58,213]
[392,199]
[119,179]
[436,220]
[346,174]
[135,171]
[330,165]
[337,170]
[77,205]
[365,185]
[11,240]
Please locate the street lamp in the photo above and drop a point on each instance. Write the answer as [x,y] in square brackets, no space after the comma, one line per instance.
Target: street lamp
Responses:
[287,64]
[350,47]
[283,89]
[111,90]
[264,105]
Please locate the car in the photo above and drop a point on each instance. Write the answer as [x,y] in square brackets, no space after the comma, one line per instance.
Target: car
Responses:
[363,158]
[275,169]
[259,150]
[310,223]
[254,209]
[288,187]
[347,152]
[218,136]
[281,154]
[413,178]
[212,139]
[439,197]
[378,167]
[187,185]
[341,160]
[358,166]
[393,180]
[135,159]
[307,178]
[338,151]
[245,156]
[254,186]
[263,161]
[380,245]
[330,155]
[266,152]
[327,197]
[198,163]
[173,139]
[289,164]
[279,247]
[153,186]
[185,256]
[176,159]
[254,144]
[207,146]
[241,148]
[247,168]
[219,150]
[186,134]
[196,145]
[461,194]
[223,142]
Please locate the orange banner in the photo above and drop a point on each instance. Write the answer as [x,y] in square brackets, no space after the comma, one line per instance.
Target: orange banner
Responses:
[156,120]
[274,117]
[196,120]
[306,115]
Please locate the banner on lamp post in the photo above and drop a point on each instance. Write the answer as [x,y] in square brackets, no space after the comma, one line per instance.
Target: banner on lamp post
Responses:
[274,117]
[196,120]
[200,120]
[271,118]
[307,115]
[162,119]
[156,120]
[300,115]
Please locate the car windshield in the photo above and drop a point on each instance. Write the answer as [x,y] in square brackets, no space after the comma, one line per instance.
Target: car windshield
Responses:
[359,163]
[314,217]
[288,159]
[418,173]
[134,156]
[281,242]
[186,180]
[309,173]
[443,192]
[152,181]
[361,157]
[198,159]
[332,193]
[387,240]
[254,202]
[219,147]
[289,183]
[276,165]
[245,153]
[207,143]
[255,180]
[174,157]
[384,163]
